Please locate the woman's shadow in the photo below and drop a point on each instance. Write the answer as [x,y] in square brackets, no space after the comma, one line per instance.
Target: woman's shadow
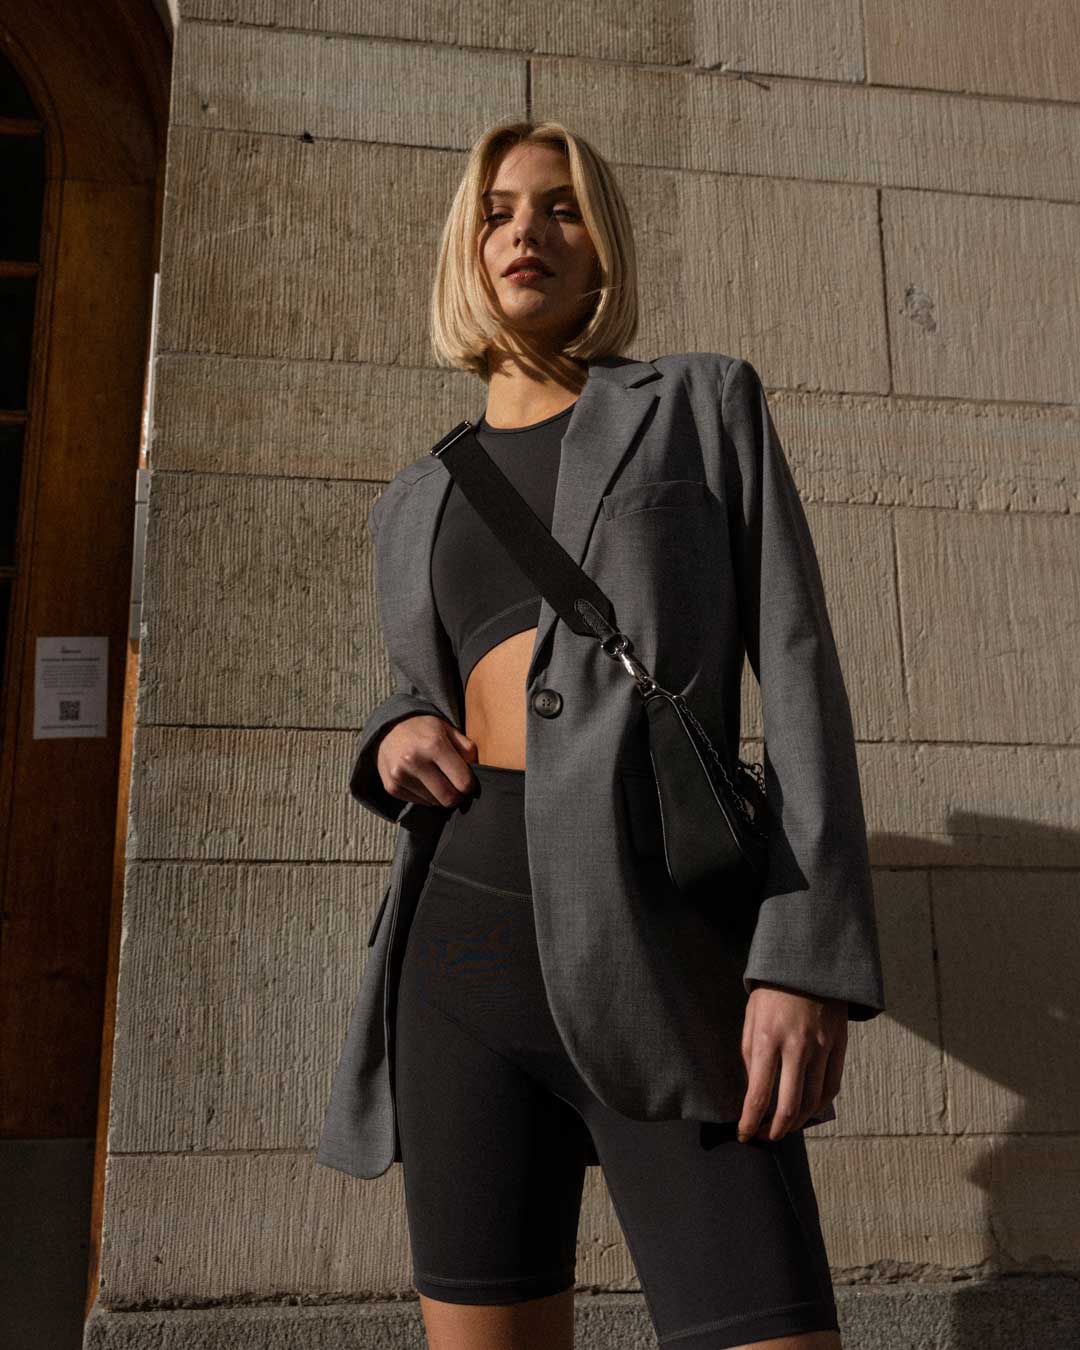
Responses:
[968,1079]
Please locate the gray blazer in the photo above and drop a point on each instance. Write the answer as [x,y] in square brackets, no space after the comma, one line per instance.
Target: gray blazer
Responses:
[674,493]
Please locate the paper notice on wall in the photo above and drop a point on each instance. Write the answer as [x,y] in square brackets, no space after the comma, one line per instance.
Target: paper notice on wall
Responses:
[71,686]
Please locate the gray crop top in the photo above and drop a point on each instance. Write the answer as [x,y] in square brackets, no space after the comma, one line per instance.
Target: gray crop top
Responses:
[481,594]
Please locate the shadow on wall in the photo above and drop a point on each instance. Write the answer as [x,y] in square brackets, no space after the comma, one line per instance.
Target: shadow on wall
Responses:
[980,941]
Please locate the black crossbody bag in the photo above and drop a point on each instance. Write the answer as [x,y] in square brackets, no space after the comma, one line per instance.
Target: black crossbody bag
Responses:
[714,815]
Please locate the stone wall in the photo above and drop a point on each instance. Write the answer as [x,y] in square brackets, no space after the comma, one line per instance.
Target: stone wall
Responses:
[879,206]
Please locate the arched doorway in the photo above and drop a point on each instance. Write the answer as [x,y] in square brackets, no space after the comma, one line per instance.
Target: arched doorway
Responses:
[83,110]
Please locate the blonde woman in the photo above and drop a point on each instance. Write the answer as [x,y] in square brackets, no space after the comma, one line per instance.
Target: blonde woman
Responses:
[539,997]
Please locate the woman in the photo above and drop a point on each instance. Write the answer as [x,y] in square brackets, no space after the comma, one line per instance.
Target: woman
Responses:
[554,1002]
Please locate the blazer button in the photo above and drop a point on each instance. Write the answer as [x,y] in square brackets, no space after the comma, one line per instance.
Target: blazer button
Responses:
[547,702]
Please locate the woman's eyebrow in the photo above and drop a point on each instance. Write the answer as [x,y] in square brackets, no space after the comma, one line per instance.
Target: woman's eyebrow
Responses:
[548,192]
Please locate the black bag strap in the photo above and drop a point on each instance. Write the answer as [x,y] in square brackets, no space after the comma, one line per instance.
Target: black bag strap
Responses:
[572,593]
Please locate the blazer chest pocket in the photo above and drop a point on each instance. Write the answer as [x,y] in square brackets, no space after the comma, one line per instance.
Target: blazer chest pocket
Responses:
[643,811]
[675,494]
[378,917]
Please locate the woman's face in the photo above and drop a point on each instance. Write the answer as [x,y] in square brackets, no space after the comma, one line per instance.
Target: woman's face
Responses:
[530,207]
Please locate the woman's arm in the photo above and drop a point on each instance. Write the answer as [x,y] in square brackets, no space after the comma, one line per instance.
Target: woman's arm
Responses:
[365,782]
[816,930]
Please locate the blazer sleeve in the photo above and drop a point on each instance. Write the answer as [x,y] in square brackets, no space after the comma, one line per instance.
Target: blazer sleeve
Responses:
[816,929]
[365,783]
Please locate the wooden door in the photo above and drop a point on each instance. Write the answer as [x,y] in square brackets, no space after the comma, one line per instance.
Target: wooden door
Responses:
[83,110]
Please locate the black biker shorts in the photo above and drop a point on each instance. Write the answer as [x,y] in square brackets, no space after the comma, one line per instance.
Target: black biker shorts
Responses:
[492,1117]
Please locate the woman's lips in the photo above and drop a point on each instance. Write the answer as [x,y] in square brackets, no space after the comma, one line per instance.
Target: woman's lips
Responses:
[527,276]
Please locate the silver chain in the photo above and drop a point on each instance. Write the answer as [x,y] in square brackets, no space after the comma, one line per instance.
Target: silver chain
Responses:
[619,647]
[755,771]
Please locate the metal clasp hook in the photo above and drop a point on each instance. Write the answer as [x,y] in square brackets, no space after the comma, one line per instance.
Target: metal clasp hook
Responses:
[620,648]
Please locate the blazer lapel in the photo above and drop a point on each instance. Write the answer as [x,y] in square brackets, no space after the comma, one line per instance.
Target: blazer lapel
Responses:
[602,428]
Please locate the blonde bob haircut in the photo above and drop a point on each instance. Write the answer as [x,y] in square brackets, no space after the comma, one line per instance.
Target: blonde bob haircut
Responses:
[463,324]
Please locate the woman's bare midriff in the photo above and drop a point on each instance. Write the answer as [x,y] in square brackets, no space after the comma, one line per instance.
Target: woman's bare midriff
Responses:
[495,702]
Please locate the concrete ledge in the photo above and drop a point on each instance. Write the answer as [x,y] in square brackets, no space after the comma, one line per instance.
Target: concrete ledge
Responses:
[997,1314]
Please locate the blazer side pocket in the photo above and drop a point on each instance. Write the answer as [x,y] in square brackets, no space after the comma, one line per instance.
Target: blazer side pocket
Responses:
[378,917]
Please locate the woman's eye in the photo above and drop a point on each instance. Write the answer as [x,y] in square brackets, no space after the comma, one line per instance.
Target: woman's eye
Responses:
[501,215]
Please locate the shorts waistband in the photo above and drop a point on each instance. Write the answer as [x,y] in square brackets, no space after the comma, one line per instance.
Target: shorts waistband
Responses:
[497,776]
[484,839]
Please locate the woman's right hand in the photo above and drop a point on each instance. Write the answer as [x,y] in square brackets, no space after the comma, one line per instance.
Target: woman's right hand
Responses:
[425,759]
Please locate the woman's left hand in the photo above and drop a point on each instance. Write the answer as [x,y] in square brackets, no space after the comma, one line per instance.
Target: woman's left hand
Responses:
[803,1036]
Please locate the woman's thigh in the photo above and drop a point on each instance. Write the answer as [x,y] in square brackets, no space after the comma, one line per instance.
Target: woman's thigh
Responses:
[725,1236]
[493,1163]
